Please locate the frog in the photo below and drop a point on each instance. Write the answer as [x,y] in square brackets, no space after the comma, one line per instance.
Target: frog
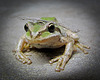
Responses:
[47,32]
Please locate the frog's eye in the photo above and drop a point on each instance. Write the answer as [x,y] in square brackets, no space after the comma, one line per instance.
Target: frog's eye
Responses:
[26,28]
[51,28]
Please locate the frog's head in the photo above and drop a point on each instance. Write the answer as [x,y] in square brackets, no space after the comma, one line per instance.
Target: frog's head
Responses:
[45,28]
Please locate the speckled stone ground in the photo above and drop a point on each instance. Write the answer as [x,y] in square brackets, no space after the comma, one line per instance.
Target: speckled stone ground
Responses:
[74,14]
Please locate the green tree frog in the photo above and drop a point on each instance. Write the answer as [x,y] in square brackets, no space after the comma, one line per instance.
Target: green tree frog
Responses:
[46,32]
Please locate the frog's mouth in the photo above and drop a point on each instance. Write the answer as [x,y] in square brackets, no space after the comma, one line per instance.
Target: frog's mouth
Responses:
[51,38]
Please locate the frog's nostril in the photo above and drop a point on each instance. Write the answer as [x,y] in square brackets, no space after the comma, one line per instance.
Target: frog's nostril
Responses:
[26,28]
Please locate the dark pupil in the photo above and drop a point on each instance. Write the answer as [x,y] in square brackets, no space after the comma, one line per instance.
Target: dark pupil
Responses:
[26,28]
[51,28]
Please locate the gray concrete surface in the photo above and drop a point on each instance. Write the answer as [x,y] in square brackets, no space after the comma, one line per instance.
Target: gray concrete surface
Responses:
[74,14]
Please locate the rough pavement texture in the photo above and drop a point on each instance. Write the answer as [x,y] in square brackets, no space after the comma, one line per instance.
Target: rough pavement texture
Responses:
[74,14]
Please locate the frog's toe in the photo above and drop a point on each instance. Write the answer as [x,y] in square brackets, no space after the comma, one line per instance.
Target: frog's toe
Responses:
[59,59]
[23,58]
[85,46]
[54,60]
[81,47]
[65,60]
[59,64]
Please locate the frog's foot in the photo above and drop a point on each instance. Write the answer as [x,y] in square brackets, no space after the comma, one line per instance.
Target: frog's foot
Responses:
[81,47]
[23,58]
[62,60]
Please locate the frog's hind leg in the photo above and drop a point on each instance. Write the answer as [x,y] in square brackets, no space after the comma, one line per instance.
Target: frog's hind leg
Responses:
[81,47]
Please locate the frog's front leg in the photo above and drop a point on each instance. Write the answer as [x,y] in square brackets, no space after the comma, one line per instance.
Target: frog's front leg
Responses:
[19,51]
[63,59]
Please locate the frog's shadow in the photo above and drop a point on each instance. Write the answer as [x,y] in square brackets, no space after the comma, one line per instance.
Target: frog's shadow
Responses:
[50,53]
